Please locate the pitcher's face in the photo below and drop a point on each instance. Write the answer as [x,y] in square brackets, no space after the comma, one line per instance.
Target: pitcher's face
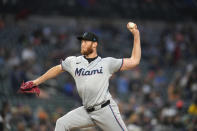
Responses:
[86,47]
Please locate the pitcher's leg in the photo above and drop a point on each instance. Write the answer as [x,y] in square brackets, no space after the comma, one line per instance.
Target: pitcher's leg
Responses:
[77,118]
[109,118]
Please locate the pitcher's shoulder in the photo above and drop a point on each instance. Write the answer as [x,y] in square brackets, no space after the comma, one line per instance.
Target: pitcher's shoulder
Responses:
[70,58]
[75,57]
[107,58]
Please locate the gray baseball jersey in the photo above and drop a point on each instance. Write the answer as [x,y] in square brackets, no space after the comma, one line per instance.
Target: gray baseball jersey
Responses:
[92,79]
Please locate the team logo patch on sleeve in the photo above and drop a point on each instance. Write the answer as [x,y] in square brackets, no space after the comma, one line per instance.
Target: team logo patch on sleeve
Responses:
[84,72]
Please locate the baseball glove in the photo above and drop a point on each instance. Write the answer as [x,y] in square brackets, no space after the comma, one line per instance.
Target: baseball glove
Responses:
[29,87]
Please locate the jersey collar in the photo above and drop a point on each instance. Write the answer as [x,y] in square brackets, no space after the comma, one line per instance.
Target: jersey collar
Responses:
[91,59]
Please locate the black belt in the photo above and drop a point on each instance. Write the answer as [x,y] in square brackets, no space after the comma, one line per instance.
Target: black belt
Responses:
[101,106]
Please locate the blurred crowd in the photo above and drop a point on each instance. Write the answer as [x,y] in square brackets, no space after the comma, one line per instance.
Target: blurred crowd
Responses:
[159,95]
[141,9]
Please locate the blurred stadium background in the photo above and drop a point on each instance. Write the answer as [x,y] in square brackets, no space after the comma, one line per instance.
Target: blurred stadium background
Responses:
[159,95]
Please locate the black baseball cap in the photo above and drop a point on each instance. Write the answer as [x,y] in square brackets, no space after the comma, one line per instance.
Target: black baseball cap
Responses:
[88,36]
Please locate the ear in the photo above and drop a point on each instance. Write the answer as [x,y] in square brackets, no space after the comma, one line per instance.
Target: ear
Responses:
[95,44]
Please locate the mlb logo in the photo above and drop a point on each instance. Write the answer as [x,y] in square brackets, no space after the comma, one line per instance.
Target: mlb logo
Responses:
[85,34]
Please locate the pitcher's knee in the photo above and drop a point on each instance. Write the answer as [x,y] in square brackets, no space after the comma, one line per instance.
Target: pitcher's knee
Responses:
[60,123]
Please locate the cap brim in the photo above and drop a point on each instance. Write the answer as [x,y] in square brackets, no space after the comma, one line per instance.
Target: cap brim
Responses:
[80,38]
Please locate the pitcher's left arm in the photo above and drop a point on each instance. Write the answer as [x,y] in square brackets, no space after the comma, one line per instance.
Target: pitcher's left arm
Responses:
[134,60]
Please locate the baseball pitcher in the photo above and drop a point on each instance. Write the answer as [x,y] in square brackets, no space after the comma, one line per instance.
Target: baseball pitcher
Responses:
[91,74]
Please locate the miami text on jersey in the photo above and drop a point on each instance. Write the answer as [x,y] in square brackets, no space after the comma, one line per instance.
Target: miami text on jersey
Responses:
[84,72]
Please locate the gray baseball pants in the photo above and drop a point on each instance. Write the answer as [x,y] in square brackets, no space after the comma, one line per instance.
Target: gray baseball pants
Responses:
[107,118]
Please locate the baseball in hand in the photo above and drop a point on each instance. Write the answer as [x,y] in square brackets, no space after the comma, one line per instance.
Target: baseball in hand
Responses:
[131,25]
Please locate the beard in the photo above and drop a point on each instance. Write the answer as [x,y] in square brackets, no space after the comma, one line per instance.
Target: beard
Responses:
[86,52]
